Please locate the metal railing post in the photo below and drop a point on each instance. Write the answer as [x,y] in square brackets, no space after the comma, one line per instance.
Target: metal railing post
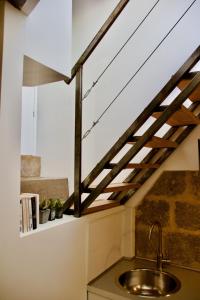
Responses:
[78,144]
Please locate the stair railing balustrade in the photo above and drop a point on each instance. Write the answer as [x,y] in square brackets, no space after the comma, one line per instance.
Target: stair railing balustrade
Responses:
[77,72]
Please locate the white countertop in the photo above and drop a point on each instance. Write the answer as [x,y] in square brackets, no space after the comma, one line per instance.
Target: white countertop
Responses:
[106,285]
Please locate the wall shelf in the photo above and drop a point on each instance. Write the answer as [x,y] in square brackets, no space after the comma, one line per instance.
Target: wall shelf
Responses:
[49,225]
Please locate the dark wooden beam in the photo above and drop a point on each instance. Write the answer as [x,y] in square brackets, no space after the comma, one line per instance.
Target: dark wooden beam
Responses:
[26,6]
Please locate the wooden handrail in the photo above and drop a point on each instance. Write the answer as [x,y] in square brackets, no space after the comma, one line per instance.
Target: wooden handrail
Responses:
[98,37]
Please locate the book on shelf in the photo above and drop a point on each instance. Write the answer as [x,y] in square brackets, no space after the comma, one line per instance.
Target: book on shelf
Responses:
[29,212]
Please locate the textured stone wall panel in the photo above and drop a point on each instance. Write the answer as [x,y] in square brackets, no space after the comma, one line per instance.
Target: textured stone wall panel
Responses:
[150,211]
[170,184]
[187,216]
[174,201]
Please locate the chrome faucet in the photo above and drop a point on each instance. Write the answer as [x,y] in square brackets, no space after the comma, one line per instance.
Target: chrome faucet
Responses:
[160,259]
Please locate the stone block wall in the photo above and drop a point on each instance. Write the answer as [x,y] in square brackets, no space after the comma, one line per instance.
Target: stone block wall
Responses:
[30,166]
[174,201]
[46,187]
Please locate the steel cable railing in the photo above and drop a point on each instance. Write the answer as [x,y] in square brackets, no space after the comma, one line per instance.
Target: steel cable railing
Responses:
[118,52]
[136,72]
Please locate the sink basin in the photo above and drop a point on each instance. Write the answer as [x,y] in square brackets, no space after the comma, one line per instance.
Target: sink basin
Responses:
[149,283]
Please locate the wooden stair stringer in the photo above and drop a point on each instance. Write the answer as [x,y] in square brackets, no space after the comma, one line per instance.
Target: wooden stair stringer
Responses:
[151,155]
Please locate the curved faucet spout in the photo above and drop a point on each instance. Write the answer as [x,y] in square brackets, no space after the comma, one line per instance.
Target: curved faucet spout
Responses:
[159,250]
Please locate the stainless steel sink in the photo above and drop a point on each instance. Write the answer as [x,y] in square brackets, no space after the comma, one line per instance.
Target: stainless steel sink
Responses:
[149,283]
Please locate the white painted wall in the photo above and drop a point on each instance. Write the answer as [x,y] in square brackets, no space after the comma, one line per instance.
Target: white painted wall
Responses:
[88,17]
[60,99]
[48,34]
[55,129]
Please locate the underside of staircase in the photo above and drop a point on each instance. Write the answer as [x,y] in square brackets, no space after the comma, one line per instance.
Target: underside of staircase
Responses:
[181,118]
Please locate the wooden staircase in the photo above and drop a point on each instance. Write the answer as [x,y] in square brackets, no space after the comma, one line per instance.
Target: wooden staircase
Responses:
[182,121]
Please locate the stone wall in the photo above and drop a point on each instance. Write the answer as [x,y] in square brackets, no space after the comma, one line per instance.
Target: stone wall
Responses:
[174,201]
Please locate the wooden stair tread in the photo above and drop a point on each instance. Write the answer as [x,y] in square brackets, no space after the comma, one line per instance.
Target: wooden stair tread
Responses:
[155,142]
[194,96]
[182,117]
[98,205]
[135,166]
[117,187]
